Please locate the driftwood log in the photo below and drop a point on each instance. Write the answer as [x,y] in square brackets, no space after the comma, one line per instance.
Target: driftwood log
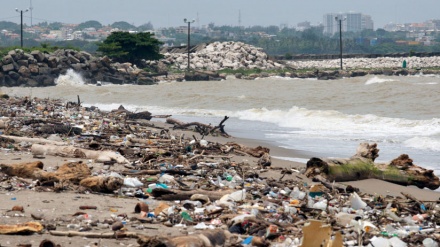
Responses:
[172,195]
[72,172]
[102,184]
[400,171]
[203,129]
[76,173]
[257,152]
[203,239]
[25,228]
[33,140]
[73,152]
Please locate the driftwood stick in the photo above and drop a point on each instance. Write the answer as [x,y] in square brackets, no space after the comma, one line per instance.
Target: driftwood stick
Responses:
[95,234]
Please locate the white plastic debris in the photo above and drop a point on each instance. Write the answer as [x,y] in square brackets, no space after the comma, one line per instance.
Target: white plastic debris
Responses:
[132,182]
[356,202]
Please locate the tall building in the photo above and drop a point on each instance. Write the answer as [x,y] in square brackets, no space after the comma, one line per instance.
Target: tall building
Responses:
[367,23]
[352,22]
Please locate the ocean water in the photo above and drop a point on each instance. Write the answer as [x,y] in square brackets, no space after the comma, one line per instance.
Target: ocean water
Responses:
[316,117]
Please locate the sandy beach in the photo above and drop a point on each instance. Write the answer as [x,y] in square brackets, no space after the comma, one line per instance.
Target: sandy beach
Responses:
[58,208]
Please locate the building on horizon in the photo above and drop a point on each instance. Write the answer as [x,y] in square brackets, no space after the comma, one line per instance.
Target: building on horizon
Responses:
[352,22]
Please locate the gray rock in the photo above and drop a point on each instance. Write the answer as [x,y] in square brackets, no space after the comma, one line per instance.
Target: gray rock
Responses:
[35,70]
[24,71]
[73,59]
[45,70]
[52,61]
[23,62]
[8,67]
[14,75]
[7,59]
[38,55]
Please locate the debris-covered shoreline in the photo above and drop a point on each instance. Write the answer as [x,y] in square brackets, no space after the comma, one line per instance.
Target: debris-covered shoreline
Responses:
[117,180]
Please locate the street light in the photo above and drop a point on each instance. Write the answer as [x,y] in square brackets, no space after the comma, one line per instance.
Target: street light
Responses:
[340,35]
[189,31]
[21,15]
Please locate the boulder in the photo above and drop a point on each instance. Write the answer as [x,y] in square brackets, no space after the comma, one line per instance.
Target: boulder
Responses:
[143,80]
[73,59]
[8,67]
[52,61]
[34,69]
[23,62]
[38,55]
[14,75]
[24,71]
[45,70]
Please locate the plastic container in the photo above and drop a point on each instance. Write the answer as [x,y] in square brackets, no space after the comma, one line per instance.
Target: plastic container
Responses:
[412,228]
[356,201]
[133,182]
[238,195]
[429,242]
[320,205]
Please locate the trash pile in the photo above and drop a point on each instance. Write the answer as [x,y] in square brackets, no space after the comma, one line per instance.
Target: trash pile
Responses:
[181,179]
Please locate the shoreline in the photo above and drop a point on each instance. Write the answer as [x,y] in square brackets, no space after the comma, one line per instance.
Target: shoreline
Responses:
[109,206]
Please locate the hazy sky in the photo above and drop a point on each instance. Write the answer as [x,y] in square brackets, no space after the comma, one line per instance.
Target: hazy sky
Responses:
[166,13]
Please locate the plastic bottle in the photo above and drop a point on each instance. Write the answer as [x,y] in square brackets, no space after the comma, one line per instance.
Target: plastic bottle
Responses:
[414,228]
[429,242]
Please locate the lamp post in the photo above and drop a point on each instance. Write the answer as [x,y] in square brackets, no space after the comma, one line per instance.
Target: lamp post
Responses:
[21,30]
[340,35]
[189,31]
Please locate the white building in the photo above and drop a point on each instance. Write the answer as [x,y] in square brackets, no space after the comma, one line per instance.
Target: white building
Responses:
[351,22]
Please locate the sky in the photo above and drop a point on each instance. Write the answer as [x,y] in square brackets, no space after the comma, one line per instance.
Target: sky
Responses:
[170,13]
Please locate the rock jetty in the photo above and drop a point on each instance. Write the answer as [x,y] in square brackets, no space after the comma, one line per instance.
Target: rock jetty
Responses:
[41,69]
[207,62]
[223,55]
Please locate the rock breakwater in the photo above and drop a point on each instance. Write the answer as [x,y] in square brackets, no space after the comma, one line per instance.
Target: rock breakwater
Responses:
[19,68]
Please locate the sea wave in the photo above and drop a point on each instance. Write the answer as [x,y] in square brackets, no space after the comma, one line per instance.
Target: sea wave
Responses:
[334,122]
[71,78]
[423,143]
[310,122]
[377,80]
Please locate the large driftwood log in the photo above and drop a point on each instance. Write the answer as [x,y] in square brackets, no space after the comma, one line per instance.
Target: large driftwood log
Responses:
[33,140]
[73,152]
[26,228]
[102,184]
[257,152]
[203,129]
[172,195]
[72,172]
[362,166]
[119,234]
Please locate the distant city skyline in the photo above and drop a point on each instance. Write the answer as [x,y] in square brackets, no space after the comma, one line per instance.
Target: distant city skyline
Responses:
[252,12]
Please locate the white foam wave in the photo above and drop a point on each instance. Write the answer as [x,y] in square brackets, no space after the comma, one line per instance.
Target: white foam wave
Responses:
[336,123]
[71,78]
[331,124]
[427,83]
[423,143]
[377,80]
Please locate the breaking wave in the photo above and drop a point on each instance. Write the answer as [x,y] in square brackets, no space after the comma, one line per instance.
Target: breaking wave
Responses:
[377,80]
[71,78]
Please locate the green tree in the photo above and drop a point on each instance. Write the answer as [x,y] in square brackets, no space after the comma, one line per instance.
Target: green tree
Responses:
[122,25]
[55,25]
[146,27]
[10,26]
[127,47]
[95,24]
